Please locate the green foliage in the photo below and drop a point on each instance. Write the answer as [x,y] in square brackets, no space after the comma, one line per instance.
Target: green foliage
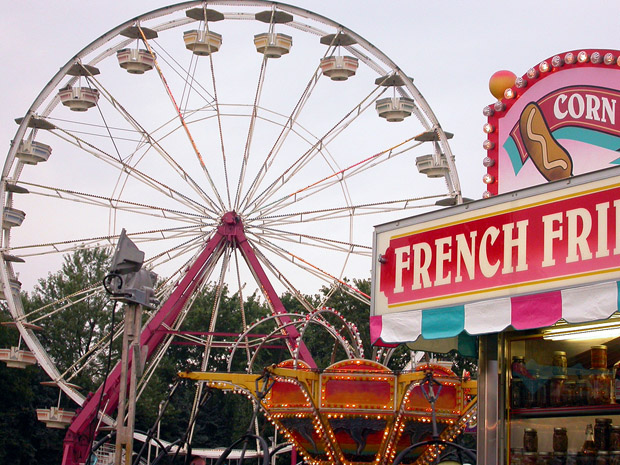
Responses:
[23,439]
[73,331]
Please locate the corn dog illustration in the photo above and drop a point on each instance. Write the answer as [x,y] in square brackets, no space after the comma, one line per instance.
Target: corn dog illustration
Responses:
[549,157]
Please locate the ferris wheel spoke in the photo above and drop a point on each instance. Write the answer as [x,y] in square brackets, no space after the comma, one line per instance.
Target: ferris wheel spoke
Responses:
[167,255]
[135,173]
[313,241]
[281,277]
[71,245]
[153,143]
[182,120]
[301,263]
[92,356]
[248,140]
[296,260]
[316,149]
[287,128]
[186,75]
[219,288]
[346,211]
[338,177]
[116,204]
[52,308]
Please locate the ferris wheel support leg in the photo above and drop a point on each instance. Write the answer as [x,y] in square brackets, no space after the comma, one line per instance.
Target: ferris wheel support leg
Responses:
[293,335]
[78,439]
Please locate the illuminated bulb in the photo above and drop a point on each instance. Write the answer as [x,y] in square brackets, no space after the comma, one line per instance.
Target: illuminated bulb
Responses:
[543,67]
[532,73]
[609,59]
[583,57]
[488,179]
[557,61]
[509,93]
[499,106]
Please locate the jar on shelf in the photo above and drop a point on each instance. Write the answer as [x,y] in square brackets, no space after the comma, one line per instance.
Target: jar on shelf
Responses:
[556,390]
[518,367]
[602,457]
[560,439]
[599,387]
[602,433]
[614,457]
[559,363]
[530,440]
[614,438]
[598,357]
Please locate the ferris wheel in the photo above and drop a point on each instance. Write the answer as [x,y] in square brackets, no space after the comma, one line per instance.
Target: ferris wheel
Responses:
[245,145]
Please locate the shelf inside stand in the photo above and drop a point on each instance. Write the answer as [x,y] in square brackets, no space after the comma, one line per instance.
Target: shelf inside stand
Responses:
[612,409]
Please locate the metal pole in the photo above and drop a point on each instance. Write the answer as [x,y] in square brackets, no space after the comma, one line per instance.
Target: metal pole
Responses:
[129,376]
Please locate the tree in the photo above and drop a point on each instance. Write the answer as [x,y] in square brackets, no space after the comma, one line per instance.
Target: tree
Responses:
[23,439]
[72,333]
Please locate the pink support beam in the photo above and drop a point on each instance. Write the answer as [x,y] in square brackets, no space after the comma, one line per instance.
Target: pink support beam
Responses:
[77,441]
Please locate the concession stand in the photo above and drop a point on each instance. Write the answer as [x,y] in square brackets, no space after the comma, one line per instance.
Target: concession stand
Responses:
[530,272]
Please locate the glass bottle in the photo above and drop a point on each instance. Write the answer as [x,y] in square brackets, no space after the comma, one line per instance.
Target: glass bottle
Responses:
[587,455]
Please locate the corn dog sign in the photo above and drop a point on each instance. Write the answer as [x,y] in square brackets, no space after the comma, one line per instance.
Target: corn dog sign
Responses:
[560,119]
[542,238]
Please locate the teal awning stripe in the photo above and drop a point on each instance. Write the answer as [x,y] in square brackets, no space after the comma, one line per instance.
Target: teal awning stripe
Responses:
[443,322]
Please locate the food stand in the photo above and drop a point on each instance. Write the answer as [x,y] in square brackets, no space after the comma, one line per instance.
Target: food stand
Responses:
[532,269]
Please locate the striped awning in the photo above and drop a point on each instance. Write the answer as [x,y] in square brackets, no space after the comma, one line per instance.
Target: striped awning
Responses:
[574,305]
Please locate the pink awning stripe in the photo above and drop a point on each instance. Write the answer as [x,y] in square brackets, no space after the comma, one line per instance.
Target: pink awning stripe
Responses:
[536,310]
[579,304]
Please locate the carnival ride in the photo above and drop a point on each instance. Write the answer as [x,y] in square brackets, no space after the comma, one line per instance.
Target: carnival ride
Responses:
[228,163]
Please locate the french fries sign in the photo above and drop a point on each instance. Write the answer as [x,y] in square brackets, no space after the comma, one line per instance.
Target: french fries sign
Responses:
[554,239]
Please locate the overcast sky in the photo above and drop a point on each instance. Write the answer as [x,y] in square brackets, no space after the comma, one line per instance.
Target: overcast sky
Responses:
[450,48]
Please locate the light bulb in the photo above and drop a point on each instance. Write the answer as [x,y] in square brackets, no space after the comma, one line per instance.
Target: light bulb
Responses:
[487,162]
[557,61]
[520,82]
[488,179]
[583,57]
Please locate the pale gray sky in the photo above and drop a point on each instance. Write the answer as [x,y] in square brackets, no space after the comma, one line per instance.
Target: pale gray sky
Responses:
[450,48]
